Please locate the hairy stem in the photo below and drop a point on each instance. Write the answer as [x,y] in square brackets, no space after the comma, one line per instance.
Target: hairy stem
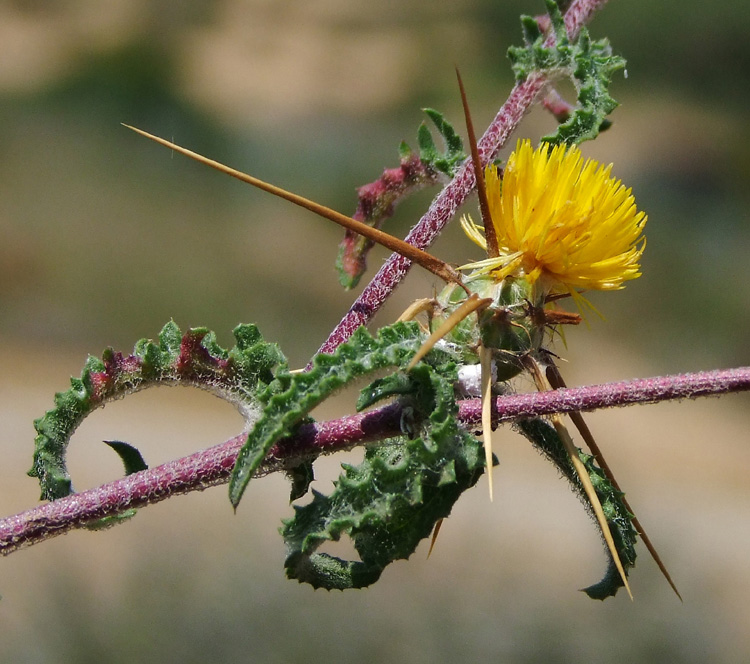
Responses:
[444,207]
[213,466]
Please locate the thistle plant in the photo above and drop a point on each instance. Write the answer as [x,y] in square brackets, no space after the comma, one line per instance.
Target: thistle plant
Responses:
[552,226]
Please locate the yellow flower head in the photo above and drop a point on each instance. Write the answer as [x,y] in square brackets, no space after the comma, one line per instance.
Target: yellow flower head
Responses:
[561,223]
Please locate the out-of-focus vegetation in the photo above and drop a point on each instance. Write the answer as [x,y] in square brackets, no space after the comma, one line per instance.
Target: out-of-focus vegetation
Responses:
[104,237]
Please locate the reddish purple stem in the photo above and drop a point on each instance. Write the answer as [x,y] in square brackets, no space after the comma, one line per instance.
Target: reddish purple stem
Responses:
[446,203]
[377,203]
[214,465]
[441,211]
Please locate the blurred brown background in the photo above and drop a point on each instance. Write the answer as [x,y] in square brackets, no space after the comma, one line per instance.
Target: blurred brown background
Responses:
[104,237]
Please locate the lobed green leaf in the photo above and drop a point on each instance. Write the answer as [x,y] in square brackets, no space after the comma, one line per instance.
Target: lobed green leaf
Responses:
[393,500]
[589,65]
[292,396]
[454,154]
[192,358]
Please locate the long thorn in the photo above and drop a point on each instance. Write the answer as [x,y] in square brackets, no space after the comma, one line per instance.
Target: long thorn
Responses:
[485,358]
[543,385]
[470,305]
[593,498]
[427,261]
[556,380]
[493,250]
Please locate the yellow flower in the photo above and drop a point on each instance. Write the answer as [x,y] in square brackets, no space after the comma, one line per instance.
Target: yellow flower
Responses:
[560,223]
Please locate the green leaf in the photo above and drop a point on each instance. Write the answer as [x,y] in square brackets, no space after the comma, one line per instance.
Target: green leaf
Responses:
[453,156]
[393,500]
[291,397]
[301,476]
[109,521]
[530,30]
[427,150]
[546,440]
[453,141]
[589,65]
[130,456]
[404,151]
[193,358]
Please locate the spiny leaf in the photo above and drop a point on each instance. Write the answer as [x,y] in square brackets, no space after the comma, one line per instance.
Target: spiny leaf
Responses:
[192,358]
[535,56]
[544,437]
[393,500]
[590,66]
[291,397]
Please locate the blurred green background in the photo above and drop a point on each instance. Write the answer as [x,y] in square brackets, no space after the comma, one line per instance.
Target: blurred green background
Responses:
[104,237]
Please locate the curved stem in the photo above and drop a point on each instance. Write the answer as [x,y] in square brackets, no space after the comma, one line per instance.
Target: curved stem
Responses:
[213,466]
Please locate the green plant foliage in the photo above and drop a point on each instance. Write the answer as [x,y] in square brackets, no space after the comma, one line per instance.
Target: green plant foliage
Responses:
[589,64]
[546,440]
[301,477]
[194,358]
[393,500]
[131,458]
[387,504]
[292,396]
[378,200]
[444,162]
[406,484]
